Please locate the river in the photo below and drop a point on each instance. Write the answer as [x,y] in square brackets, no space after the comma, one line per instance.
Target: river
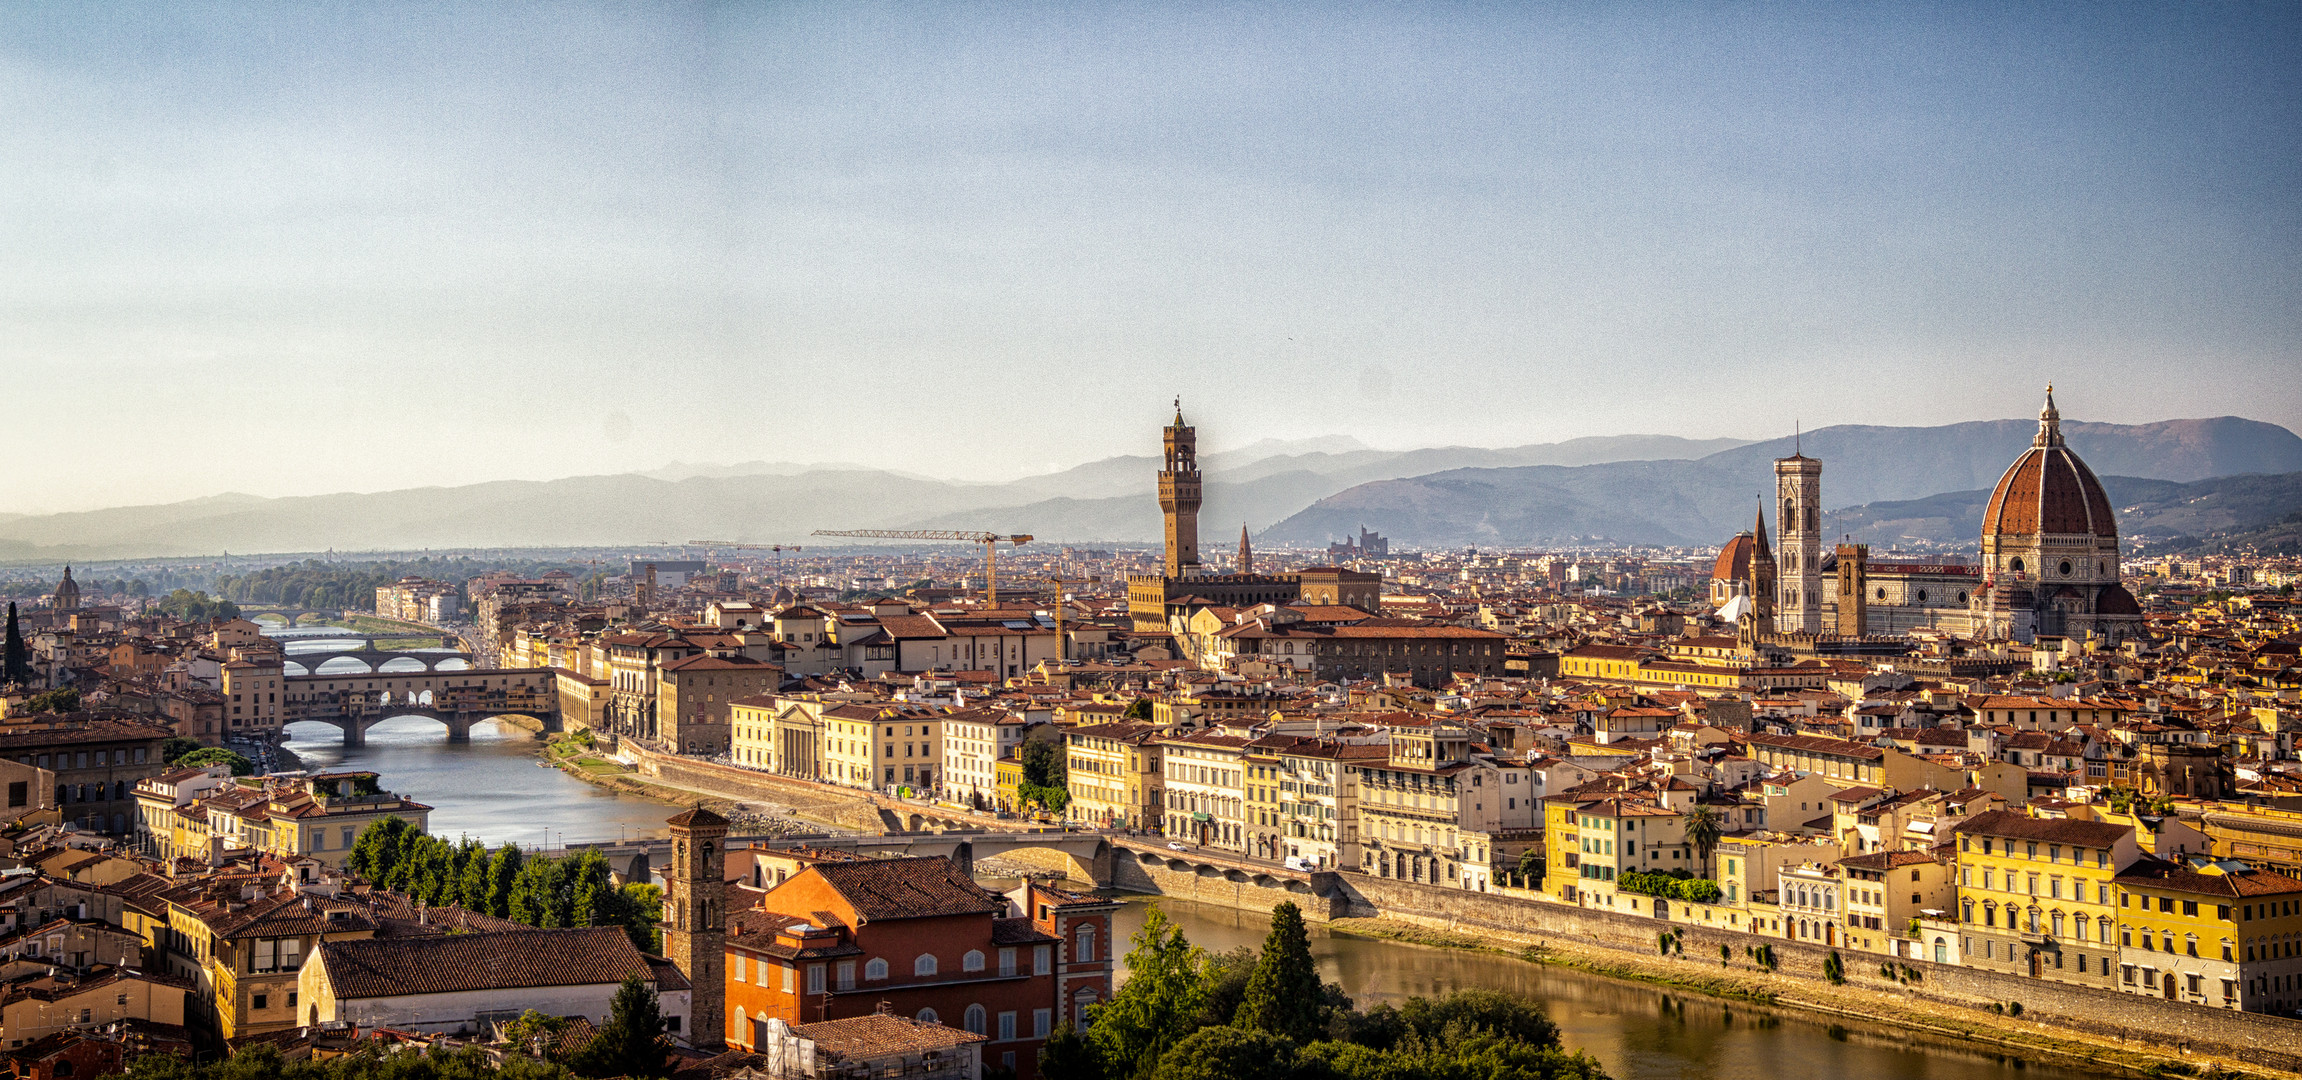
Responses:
[488,788]
[1638,1032]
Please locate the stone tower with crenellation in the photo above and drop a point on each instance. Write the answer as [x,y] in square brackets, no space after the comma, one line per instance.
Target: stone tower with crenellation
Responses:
[1798,544]
[1179,497]
[1853,586]
[694,917]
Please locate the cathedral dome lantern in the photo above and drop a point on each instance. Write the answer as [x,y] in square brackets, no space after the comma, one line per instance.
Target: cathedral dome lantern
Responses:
[2048,490]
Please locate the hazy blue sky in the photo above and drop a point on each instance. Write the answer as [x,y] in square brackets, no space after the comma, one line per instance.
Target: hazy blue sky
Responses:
[295,248]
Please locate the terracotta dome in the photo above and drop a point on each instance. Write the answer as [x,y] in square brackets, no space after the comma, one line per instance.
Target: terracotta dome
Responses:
[1734,559]
[2048,490]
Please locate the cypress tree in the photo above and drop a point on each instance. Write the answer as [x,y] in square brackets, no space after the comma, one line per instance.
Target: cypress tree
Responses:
[1283,993]
[632,1042]
[16,658]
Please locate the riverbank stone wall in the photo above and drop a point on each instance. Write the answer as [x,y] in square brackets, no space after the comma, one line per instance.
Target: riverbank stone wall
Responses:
[2268,1040]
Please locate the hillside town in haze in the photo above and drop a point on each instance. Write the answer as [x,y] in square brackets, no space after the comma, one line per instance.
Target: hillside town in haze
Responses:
[2057,760]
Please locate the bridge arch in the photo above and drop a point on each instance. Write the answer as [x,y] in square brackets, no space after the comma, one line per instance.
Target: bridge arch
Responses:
[373,660]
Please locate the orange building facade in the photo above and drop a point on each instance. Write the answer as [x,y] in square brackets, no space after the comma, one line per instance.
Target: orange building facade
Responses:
[839,939]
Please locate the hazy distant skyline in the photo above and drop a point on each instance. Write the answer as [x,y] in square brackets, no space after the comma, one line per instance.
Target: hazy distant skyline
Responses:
[294,250]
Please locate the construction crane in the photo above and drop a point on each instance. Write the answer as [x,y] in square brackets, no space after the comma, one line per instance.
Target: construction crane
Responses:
[990,542]
[1063,644]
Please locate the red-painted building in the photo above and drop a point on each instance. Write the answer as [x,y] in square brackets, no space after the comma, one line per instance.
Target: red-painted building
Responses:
[840,938]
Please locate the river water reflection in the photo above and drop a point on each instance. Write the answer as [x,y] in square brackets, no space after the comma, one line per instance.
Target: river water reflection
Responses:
[1638,1032]
[489,788]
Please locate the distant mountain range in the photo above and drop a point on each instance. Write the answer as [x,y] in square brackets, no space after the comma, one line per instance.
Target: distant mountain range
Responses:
[1705,500]
[2157,510]
[1632,488]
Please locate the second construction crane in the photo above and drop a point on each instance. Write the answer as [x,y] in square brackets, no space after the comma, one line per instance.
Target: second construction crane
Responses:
[990,542]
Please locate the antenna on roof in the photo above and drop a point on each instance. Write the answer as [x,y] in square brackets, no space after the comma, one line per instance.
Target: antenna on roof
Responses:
[1797,439]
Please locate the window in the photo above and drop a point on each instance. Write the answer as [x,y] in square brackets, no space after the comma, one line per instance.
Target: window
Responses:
[1006,963]
[976,1019]
[927,1016]
[925,965]
[261,1001]
[846,974]
[735,970]
[1042,959]
[786,978]
[1006,1026]
[875,969]
[1083,947]
[1042,1022]
[815,978]
[973,961]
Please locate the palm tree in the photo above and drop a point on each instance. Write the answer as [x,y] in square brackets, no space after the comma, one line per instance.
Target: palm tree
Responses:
[1704,826]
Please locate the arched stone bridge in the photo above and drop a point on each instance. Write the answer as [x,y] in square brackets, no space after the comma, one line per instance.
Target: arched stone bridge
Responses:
[458,699]
[373,657]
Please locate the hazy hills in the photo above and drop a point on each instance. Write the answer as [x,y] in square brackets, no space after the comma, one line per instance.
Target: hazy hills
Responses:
[2147,509]
[1705,500]
[1635,488]
[762,502]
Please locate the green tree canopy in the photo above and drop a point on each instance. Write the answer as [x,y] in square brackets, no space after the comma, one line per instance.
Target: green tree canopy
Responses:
[632,1042]
[1228,1053]
[212,755]
[1283,993]
[1067,1055]
[1159,1004]
[1704,827]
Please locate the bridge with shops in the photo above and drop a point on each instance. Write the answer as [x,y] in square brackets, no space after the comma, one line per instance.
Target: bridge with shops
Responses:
[457,699]
[374,658]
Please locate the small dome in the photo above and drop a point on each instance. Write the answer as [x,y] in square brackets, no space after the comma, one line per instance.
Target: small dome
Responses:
[2048,490]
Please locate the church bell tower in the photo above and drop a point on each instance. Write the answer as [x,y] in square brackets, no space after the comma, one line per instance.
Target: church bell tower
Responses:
[1179,497]
[1798,547]
[694,915]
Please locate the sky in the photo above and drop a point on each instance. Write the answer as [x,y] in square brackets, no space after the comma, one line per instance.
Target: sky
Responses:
[293,249]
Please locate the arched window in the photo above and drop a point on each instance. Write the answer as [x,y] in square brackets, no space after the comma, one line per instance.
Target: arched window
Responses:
[973,961]
[975,1020]
[875,969]
[925,965]
[927,1016]
[2016,565]
[1083,948]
